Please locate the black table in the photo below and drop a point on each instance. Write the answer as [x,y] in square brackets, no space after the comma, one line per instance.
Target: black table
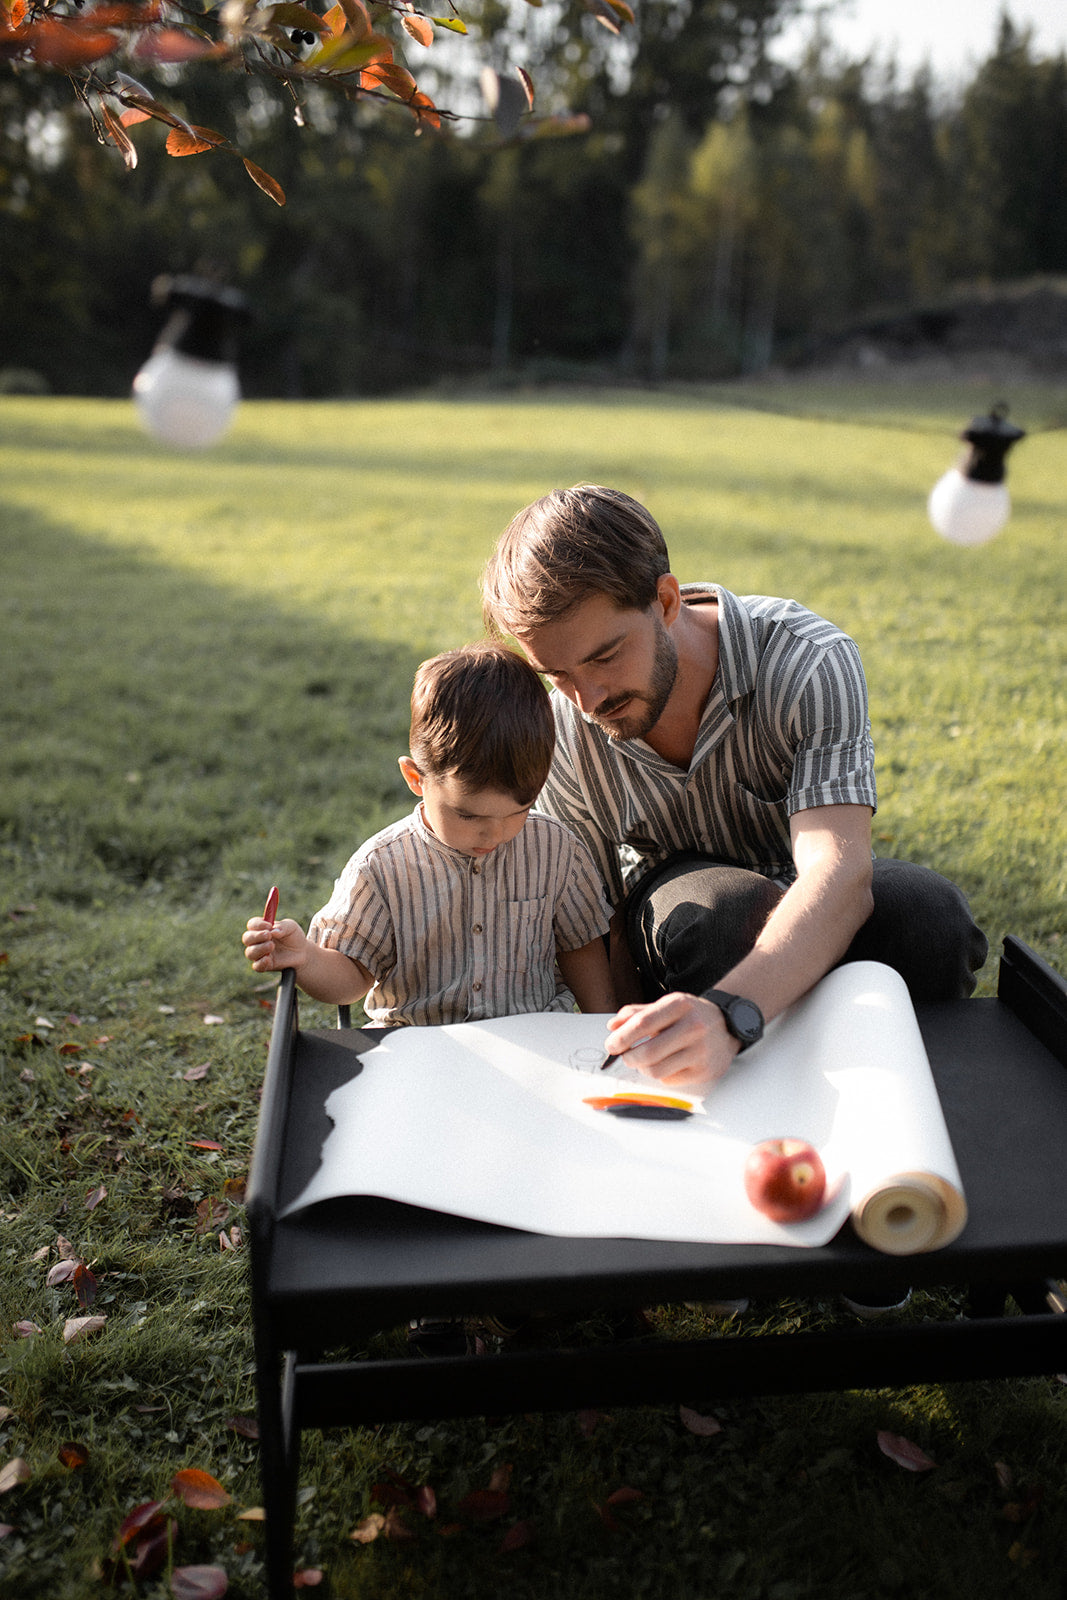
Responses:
[326,1276]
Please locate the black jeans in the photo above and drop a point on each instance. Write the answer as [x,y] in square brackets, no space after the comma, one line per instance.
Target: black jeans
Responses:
[693,918]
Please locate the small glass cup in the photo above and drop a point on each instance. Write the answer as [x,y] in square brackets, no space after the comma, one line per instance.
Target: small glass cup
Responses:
[586,1059]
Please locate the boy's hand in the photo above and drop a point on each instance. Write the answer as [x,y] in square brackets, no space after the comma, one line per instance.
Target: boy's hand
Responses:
[269,947]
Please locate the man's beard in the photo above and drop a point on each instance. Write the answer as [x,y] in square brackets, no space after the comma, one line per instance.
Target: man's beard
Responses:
[647,708]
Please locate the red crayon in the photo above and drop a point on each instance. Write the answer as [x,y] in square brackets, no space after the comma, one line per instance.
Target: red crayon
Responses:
[270,910]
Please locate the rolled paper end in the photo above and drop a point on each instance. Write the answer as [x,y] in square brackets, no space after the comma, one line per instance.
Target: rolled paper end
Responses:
[910,1213]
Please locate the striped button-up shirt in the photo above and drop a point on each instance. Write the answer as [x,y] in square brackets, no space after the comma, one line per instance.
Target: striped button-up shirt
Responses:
[457,938]
[785,728]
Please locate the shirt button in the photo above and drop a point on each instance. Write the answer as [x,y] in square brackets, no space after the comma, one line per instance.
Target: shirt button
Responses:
[476,985]
[476,869]
[477,928]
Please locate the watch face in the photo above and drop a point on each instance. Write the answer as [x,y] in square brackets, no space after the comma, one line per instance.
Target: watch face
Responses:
[746,1020]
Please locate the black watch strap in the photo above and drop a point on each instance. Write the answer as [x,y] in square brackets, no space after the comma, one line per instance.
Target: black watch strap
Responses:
[743,1017]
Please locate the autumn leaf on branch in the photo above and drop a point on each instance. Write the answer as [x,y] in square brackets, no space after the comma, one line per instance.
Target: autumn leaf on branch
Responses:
[353,54]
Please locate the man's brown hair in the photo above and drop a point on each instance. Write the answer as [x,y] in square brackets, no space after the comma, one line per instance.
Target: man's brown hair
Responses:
[482,715]
[569,545]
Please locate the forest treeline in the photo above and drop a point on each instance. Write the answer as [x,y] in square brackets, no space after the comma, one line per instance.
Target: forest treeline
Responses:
[722,212]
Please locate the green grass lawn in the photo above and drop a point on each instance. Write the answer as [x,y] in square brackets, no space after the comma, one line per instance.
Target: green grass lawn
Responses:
[206,668]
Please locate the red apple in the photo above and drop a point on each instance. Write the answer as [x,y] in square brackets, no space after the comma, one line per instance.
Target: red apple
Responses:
[785,1179]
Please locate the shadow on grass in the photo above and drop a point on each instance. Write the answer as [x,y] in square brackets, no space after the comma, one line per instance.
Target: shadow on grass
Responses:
[157,726]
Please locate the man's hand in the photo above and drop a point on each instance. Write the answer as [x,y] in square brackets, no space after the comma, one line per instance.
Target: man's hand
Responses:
[679,1040]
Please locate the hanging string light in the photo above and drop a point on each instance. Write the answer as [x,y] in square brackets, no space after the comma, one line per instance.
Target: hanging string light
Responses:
[188,389]
[970,504]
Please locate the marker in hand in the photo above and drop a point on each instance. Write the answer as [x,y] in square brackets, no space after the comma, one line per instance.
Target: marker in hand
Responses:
[270,910]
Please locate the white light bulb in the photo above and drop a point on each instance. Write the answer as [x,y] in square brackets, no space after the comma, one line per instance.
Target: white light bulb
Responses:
[965,511]
[185,401]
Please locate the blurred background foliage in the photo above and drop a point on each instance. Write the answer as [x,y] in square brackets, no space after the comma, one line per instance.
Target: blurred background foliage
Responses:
[723,213]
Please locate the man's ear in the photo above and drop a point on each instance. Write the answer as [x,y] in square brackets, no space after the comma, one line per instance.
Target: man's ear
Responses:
[669,595]
[412,775]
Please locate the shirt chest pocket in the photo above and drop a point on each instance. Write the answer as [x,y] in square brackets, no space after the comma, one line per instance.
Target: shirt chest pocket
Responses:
[526,933]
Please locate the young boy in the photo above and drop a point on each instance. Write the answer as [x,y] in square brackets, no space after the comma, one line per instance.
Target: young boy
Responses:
[465,909]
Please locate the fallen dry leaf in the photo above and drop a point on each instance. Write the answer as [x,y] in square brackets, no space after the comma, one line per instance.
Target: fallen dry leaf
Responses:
[94,1197]
[518,1536]
[62,1272]
[307,1578]
[369,1529]
[197,1074]
[198,1583]
[253,1514]
[903,1452]
[16,1471]
[705,1427]
[624,1497]
[199,1489]
[78,1327]
[484,1505]
[25,1329]
[72,1454]
[247,1427]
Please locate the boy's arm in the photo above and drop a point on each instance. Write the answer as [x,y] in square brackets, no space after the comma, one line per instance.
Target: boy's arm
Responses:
[588,976]
[323,974]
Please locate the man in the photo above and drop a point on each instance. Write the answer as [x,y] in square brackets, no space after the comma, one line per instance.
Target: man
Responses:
[714,752]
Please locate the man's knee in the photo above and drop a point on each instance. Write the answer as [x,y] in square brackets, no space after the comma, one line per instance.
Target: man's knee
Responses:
[922,926]
[694,921]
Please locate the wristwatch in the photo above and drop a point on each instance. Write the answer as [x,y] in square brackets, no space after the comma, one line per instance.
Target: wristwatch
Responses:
[744,1018]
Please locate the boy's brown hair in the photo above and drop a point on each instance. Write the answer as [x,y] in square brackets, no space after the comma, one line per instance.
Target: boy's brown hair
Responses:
[569,545]
[482,715]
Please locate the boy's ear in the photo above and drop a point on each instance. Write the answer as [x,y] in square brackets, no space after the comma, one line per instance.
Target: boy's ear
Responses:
[412,775]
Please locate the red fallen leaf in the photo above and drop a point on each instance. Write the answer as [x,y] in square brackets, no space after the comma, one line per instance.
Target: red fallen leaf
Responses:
[154,1548]
[199,1489]
[501,1478]
[426,1500]
[518,1536]
[198,1583]
[72,1454]
[308,1578]
[84,1286]
[16,1471]
[705,1427]
[204,1144]
[247,1427]
[264,181]
[69,1049]
[6,1528]
[94,1197]
[234,1190]
[624,1497]
[62,1272]
[139,1520]
[484,1505]
[611,1522]
[903,1452]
